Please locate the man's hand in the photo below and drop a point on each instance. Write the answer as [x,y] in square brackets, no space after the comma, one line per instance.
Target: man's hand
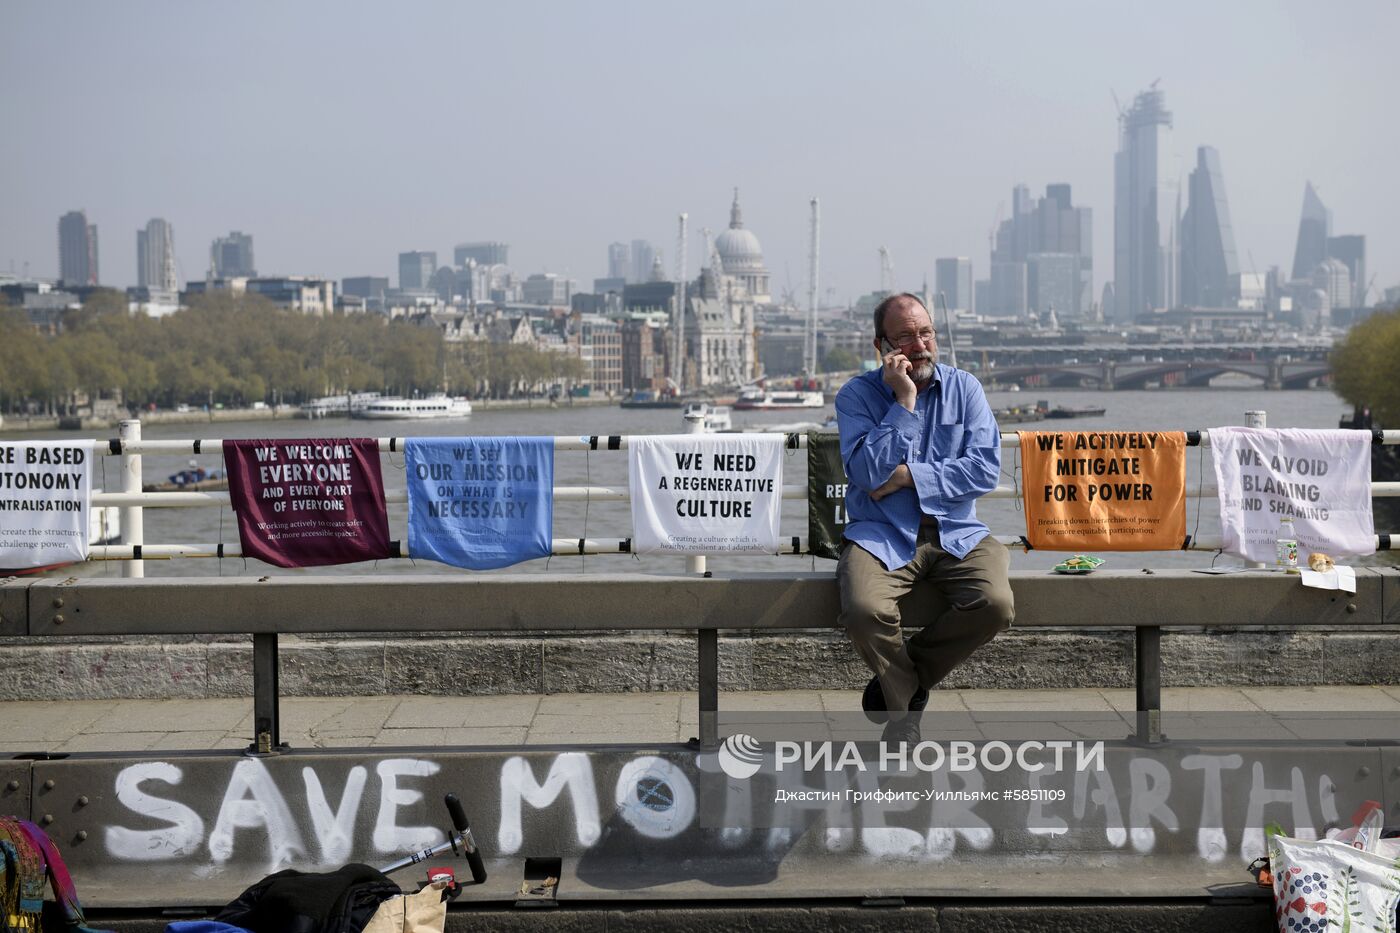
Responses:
[901,478]
[896,376]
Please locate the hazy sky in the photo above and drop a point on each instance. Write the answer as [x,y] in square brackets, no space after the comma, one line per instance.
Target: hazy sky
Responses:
[340,134]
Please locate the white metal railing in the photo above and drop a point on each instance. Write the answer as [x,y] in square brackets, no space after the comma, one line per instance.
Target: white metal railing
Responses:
[157,500]
[130,447]
[561,442]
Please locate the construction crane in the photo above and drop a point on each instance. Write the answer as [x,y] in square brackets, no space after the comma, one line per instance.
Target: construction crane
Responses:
[1254,274]
[886,270]
[679,323]
[1361,299]
[809,342]
[712,259]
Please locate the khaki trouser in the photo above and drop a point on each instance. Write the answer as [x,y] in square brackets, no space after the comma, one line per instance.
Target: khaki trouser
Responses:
[975,589]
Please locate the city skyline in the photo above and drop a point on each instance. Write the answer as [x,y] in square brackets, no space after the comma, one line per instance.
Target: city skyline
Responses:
[1030,117]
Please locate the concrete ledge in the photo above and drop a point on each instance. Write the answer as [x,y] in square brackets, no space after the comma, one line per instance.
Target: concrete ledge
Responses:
[591,602]
[916,917]
[105,638]
[470,665]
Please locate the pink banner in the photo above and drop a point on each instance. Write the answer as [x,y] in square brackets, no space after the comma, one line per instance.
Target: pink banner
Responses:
[308,502]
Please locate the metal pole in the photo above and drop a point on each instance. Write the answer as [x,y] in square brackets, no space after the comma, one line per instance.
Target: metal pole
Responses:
[695,424]
[1148,664]
[709,687]
[708,638]
[678,364]
[1254,419]
[267,728]
[133,522]
[809,339]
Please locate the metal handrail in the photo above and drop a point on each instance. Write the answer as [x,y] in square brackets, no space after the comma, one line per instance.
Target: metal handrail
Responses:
[133,502]
[795,441]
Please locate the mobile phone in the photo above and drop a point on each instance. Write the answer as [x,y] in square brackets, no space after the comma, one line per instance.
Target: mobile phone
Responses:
[888,347]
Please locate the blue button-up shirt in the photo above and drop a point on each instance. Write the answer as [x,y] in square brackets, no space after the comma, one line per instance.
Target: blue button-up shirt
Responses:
[952,446]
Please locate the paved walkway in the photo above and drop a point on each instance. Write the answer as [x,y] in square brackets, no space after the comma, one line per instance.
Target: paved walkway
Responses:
[323,722]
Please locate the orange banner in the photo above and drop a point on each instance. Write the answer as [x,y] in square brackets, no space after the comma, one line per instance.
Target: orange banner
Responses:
[1104,490]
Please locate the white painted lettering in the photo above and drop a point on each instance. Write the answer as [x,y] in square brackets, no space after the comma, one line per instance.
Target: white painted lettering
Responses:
[252,801]
[572,770]
[335,829]
[388,835]
[183,833]
[1151,788]
[655,797]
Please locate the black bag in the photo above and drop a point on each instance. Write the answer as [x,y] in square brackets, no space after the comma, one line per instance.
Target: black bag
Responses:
[341,901]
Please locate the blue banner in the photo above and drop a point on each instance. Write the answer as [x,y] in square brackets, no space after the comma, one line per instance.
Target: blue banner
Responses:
[480,502]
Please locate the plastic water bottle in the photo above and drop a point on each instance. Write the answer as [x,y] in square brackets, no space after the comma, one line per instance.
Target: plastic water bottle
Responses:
[1286,547]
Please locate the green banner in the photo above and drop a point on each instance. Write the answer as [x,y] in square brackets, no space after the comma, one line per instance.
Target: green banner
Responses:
[826,494]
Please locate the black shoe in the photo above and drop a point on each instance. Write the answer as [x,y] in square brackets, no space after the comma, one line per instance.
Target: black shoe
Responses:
[904,729]
[873,699]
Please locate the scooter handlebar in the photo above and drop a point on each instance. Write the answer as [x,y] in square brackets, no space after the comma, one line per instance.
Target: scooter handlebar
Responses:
[463,828]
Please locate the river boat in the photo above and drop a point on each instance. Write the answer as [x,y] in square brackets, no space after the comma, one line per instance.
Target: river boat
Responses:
[712,417]
[193,479]
[415,409]
[753,398]
[646,398]
[1087,411]
[337,406]
[1019,415]
[788,427]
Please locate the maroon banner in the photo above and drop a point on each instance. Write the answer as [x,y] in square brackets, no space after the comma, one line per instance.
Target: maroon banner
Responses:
[308,502]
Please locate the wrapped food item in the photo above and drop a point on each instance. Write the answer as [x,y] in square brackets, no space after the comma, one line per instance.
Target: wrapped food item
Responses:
[1320,562]
[1079,563]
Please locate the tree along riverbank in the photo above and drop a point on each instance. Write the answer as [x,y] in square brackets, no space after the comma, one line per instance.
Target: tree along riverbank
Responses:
[20,424]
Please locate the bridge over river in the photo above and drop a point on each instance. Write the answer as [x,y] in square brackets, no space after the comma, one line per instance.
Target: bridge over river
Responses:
[1137,367]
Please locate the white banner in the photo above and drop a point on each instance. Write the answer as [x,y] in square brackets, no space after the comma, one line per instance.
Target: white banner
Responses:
[1320,479]
[45,498]
[706,493]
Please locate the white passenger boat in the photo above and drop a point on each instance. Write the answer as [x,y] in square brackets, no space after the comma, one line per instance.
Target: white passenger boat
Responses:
[338,406]
[752,398]
[432,406]
[713,417]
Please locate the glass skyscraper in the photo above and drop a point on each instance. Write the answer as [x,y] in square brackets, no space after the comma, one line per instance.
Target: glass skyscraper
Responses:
[1209,264]
[1048,226]
[1314,228]
[416,268]
[1350,250]
[953,278]
[77,250]
[232,256]
[1144,210]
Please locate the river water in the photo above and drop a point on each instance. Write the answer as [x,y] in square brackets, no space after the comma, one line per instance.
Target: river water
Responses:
[1174,409]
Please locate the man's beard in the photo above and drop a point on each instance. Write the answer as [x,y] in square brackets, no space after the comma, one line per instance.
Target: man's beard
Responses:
[923,368]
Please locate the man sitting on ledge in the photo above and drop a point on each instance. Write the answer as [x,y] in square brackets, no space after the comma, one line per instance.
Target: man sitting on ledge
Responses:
[920,445]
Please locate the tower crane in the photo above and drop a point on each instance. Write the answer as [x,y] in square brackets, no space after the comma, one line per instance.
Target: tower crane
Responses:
[886,270]
[1361,299]
[679,323]
[809,342]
